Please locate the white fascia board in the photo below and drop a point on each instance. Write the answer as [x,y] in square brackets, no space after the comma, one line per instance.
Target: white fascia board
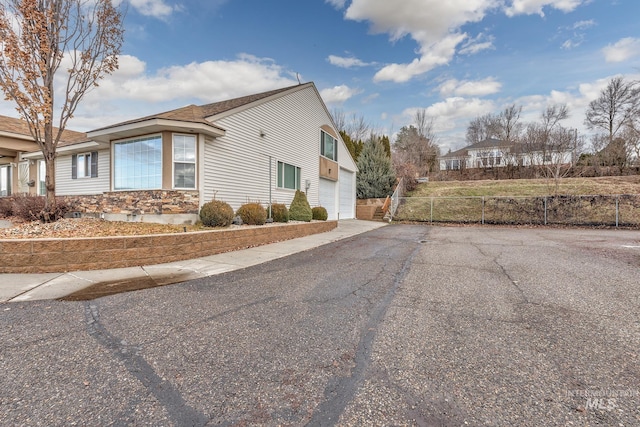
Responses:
[153,126]
[75,148]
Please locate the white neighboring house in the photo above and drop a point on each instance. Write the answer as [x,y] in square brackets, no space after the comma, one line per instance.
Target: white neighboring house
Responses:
[164,167]
[491,153]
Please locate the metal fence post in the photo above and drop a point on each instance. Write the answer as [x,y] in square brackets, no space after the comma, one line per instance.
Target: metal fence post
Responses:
[431,221]
[482,210]
[617,210]
[545,211]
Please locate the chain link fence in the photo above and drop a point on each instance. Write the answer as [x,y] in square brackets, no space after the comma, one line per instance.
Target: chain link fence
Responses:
[614,211]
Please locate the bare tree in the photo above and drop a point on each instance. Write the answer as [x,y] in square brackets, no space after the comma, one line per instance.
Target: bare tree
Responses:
[417,144]
[561,144]
[631,136]
[340,119]
[616,106]
[481,128]
[41,41]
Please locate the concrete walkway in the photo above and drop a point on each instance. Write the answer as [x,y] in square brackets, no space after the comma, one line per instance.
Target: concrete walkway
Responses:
[32,287]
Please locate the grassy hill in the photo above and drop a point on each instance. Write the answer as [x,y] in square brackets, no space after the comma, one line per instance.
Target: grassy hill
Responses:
[530,187]
[578,201]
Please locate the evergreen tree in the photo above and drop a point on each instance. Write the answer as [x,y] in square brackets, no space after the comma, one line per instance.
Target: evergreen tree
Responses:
[376,175]
[354,147]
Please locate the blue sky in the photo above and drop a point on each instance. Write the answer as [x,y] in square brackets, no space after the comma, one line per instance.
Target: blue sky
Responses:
[379,59]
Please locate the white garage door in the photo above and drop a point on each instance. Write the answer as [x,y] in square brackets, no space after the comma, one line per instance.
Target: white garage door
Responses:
[327,197]
[347,195]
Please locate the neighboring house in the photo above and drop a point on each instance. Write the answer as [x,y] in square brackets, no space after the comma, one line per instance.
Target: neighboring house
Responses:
[164,167]
[19,174]
[491,153]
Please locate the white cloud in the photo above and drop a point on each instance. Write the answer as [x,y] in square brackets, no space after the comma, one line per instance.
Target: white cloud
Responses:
[338,94]
[482,87]
[622,50]
[156,8]
[433,55]
[346,62]
[206,81]
[583,25]
[338,4]
[433,24]
[477,44]
[529,7]
[577,33]
[134,92]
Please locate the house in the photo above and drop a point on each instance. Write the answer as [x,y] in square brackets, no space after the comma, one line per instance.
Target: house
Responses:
[164,167]
[17,173]
[491,152]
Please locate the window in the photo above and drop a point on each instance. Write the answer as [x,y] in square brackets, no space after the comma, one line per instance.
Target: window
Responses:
[184,161]
[137,164]
[42,173]
[5,180]
[288,176]
[84,165]
[328,146]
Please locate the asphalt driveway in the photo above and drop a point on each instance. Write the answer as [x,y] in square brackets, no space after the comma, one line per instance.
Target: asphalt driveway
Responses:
[404,325]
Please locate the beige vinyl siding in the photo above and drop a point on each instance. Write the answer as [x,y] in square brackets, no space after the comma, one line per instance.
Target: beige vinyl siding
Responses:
[66,186]
[237,165]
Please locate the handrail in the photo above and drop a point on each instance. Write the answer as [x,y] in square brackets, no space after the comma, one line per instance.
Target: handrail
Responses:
[385,205]
[395,198]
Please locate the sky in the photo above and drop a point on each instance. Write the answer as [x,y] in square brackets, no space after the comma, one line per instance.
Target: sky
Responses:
[381,60]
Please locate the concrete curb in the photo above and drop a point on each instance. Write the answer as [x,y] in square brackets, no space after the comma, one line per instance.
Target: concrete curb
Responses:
[33,287]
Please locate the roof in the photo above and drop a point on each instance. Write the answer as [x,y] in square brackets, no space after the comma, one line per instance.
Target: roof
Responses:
[488,143]
[198,113]
[20,127]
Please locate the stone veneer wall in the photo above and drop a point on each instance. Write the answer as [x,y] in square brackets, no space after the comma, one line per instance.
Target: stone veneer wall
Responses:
[77,254]
[142,202]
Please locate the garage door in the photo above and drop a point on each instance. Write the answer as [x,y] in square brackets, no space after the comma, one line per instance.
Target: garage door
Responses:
[347,195]
[327,190]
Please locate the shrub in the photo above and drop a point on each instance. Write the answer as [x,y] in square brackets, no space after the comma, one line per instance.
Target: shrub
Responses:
[252,214]
[216,213]
[31,208]
[300,210]
[279,212]
[6,207]
[319,213]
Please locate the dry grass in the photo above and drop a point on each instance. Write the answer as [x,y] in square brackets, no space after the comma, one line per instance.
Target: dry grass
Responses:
[530,187]
[578,201]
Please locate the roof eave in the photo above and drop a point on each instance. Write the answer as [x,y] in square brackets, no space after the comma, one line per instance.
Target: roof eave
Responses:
[154,125]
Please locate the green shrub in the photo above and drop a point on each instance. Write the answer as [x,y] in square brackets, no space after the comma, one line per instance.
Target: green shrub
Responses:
[252,214]
[300,210]
[319,213]
[279,212]
[216,213]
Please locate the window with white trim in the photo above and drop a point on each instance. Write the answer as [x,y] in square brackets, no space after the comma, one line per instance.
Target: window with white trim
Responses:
[5,180]
[184,161]
[42,174]
[137,164]
[328,146]
[84,165]
[288,176]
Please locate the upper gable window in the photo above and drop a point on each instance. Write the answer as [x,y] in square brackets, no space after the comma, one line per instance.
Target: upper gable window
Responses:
[328,146]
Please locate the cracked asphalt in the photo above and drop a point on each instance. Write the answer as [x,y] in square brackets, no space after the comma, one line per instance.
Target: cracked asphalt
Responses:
[404,325]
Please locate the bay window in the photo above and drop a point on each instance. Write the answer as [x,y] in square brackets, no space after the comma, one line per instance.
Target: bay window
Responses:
[137,164]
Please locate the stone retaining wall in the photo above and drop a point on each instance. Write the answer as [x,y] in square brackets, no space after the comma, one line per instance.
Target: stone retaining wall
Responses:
[143,202]
[77,254]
